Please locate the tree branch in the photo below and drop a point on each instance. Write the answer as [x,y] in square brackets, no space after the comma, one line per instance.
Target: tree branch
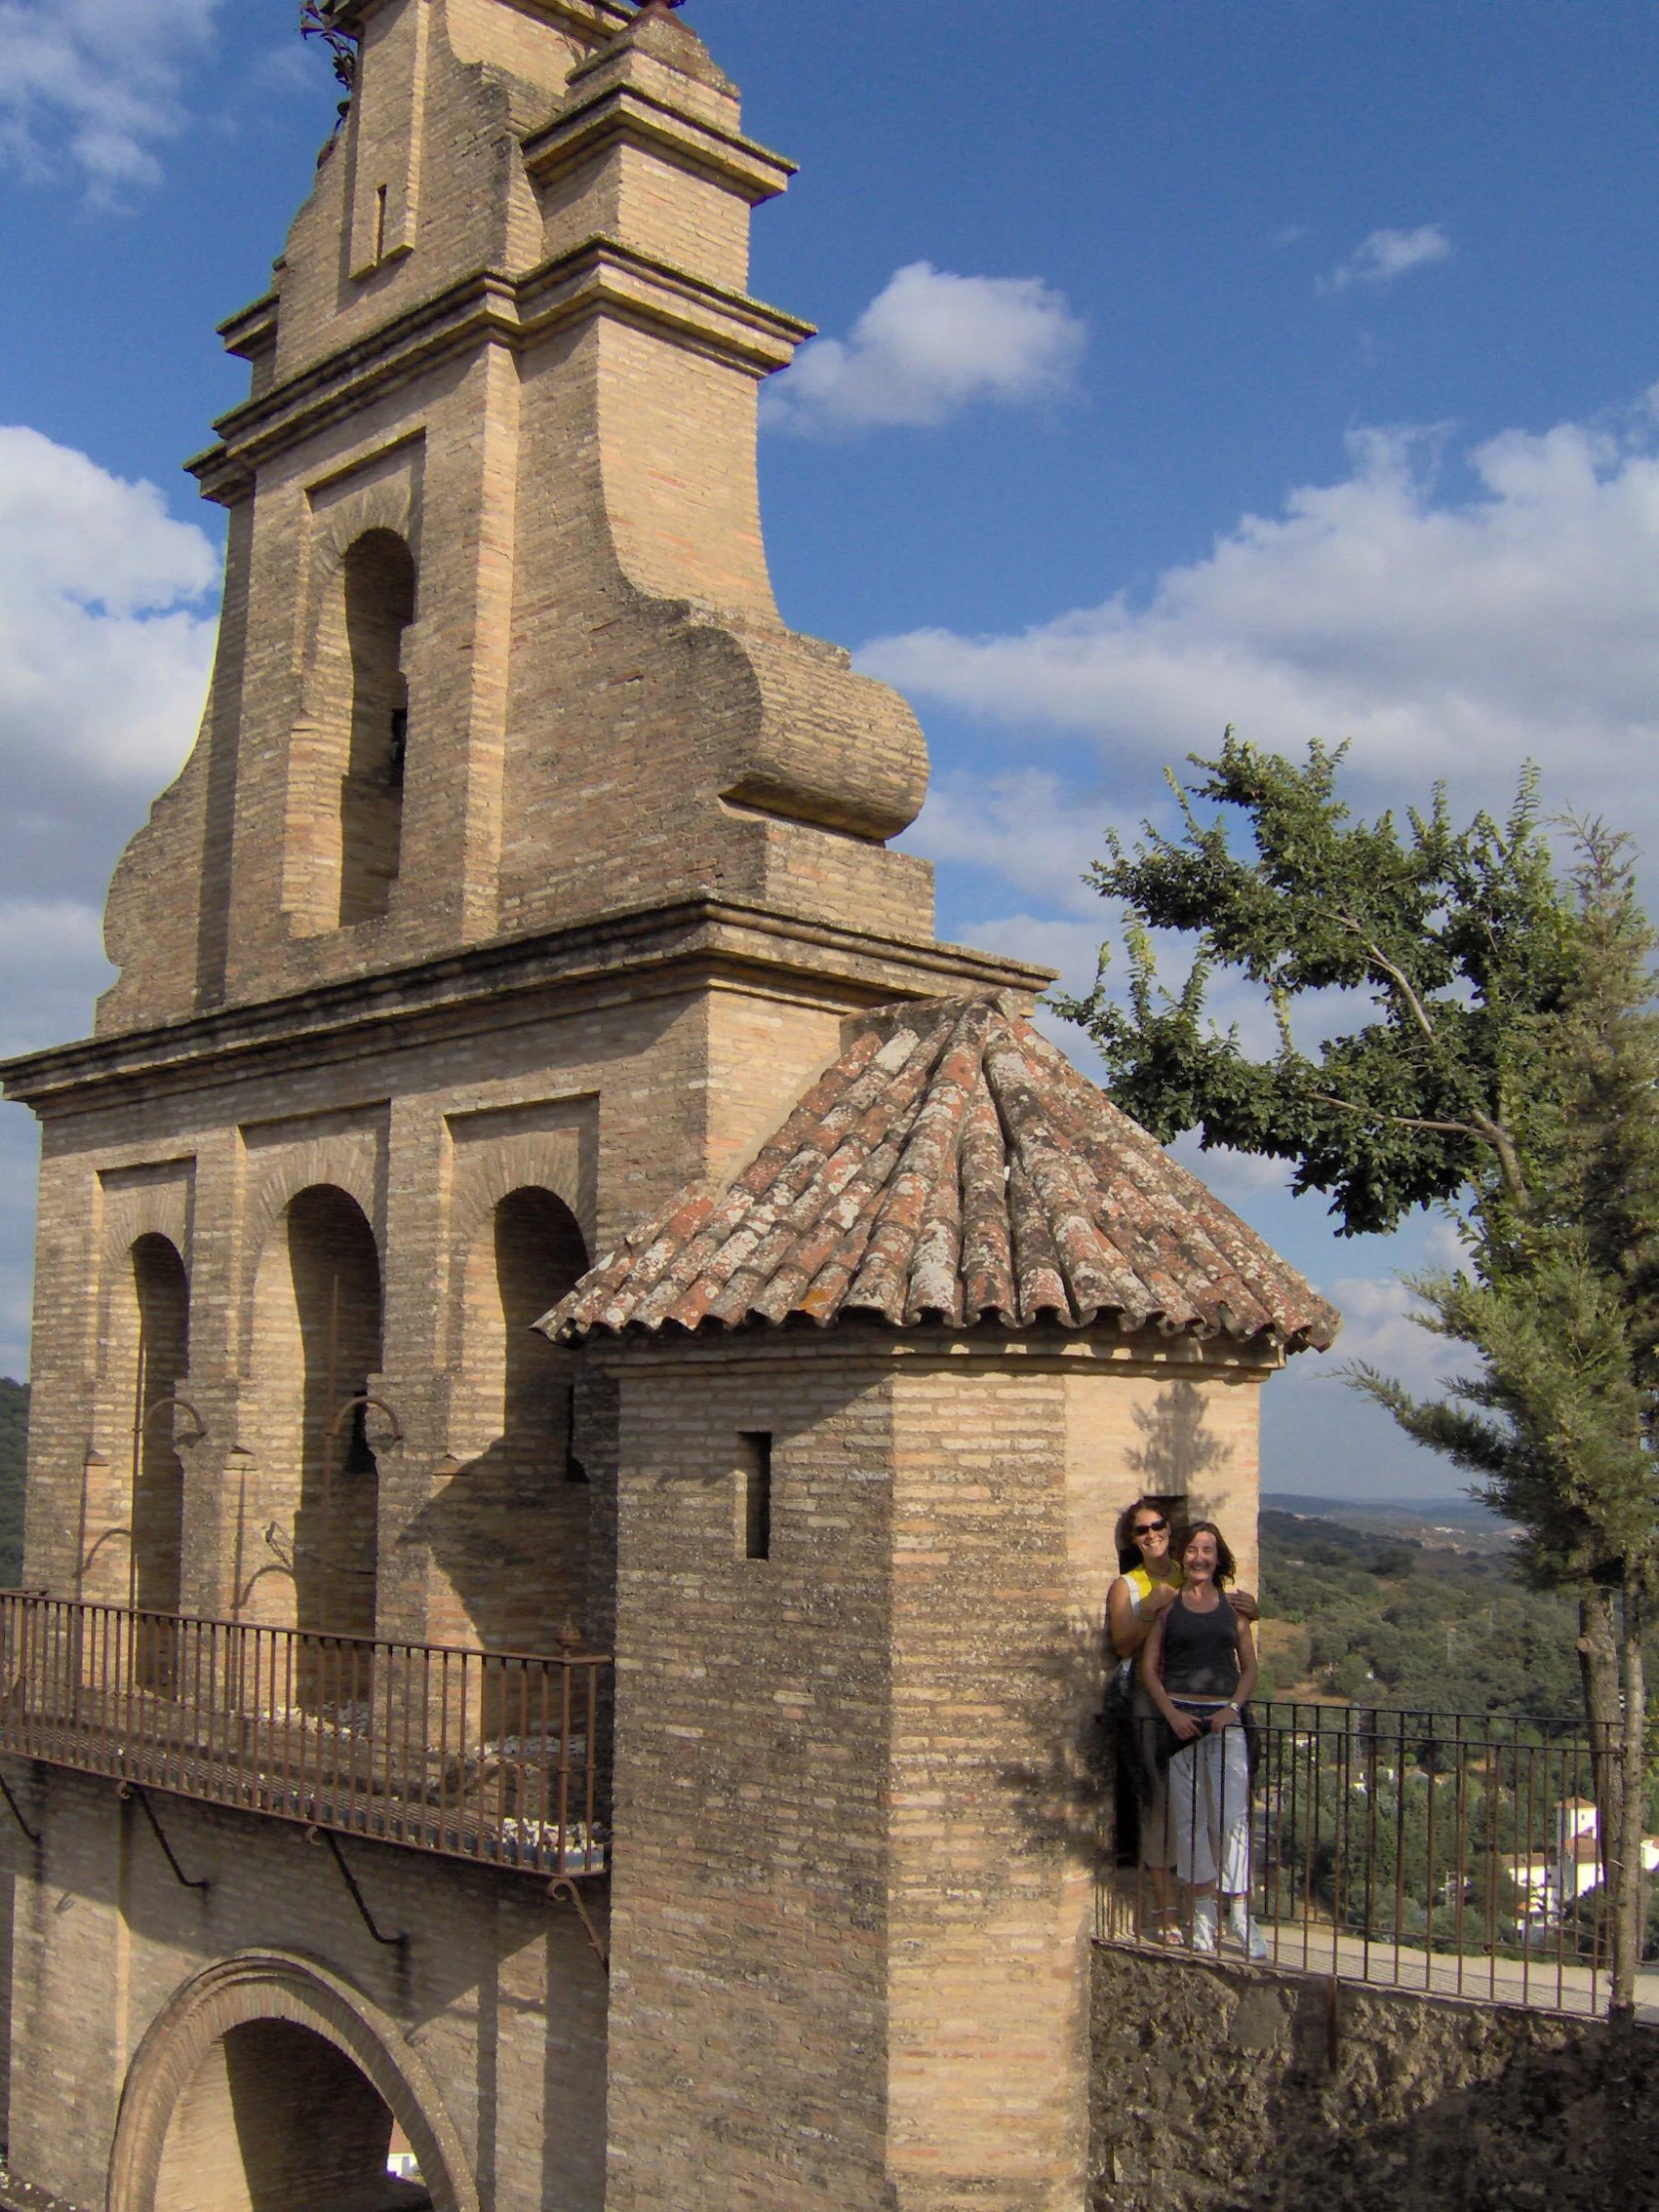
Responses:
[1480,1128]
[1397,975]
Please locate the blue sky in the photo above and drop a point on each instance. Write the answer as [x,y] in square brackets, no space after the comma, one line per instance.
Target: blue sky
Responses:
[1289,364]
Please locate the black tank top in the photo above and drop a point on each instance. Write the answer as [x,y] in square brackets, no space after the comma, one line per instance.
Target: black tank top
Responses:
[1201,1651]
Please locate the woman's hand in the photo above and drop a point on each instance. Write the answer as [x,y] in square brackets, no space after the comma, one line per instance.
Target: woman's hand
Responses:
[1225,1718]
[1158,1599]
[1243,1603]
[1185,1727]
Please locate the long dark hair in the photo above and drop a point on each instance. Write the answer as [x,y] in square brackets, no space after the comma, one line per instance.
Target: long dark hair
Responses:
[1226,1566]
[1129,1552]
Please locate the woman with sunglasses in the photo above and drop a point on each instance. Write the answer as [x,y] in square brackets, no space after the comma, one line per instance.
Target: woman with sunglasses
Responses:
[1199,1666]
[1145,1588]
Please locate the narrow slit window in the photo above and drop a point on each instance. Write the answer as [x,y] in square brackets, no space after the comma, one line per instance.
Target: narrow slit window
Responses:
[754,1494]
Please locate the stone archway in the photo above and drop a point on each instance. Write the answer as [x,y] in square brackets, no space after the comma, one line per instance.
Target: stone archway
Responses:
[233,2058]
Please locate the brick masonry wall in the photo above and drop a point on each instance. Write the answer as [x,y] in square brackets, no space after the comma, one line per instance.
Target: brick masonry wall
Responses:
[854,1830]
[604,704]
[498,1991]
[1221,2089]
[748,2050]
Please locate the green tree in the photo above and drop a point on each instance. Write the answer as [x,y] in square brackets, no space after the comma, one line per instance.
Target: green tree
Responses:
[1503,1065]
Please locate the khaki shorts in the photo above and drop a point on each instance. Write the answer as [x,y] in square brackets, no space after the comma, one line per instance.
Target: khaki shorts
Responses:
[1151,1782]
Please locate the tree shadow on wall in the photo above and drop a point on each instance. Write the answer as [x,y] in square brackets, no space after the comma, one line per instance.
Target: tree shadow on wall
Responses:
[1067,1798]
[509,1532]
[1179,1448]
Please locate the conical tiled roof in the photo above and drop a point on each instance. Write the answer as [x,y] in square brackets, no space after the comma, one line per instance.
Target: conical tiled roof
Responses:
[951,1165]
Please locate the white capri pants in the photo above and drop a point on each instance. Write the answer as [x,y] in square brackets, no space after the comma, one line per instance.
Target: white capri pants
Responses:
[1209,1809]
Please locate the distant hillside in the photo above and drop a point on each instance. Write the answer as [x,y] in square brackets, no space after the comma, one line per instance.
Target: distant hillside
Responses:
[1386,1619]
[1442,1523]
[14,1434]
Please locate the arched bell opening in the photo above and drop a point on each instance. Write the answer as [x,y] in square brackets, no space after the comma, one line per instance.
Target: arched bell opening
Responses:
[334,1267]
[380,584]
[133,1497]
[509,1528]
[162,1295]
[539,1255]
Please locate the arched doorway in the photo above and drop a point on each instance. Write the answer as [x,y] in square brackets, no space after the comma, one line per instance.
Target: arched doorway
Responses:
[276,2118]
[270,2085]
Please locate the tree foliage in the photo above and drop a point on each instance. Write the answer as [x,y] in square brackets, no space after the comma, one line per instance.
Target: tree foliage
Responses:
[1492,1050]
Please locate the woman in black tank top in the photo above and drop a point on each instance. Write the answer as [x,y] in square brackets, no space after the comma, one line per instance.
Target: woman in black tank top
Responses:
[1199,1667]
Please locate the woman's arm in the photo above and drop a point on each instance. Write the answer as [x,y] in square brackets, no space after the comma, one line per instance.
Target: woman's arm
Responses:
[1247,1681]
[1151,1674]
[1125,1630]
[1128,1623]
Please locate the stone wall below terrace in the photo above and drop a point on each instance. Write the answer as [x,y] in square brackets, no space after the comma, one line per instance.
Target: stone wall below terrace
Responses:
[1221,2088]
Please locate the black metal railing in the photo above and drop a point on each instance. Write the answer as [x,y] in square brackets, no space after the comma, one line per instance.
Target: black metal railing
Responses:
[489,1756]
[1449,1852]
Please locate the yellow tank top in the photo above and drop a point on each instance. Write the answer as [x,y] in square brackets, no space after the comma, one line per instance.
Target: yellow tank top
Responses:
[1142,1584]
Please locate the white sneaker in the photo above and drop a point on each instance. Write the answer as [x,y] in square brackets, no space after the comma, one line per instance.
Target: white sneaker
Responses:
[1244,1931]
[1204,1924]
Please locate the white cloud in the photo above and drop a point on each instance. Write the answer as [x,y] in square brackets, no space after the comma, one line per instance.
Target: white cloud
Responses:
[106,637]
[1448,638]
[928,346]
[1376,260]
[97,82]
[1025,826]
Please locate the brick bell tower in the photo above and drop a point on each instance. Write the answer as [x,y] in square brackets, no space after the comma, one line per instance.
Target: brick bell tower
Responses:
[602,1752]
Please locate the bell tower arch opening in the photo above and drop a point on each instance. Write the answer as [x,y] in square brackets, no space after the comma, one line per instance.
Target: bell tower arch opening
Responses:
[540,1254]
[336,1266]
[315,1343]
[379,578]
[132,1537]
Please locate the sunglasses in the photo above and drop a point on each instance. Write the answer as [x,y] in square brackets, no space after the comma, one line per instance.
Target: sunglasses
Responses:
[1150,1528]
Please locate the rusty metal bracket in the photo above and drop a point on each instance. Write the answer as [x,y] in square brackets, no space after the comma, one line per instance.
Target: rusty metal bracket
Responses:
[6,1789]
[562,1887]
[131,1790]
[366,1399]
[171,1402]
[324,1836]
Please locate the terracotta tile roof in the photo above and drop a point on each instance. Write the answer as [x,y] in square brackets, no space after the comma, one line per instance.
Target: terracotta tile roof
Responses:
[951,1165]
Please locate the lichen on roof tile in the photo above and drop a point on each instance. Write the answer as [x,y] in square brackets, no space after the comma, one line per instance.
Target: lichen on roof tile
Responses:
[951,1167]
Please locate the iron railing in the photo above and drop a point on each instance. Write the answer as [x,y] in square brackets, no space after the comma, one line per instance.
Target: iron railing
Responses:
[1449,1852]
[489,1756]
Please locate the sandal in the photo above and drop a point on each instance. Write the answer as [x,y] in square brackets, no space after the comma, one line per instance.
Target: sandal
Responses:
[1166,1932]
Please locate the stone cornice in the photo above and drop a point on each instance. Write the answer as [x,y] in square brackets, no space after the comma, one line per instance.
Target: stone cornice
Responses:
[631,115]
[601,276]
[593,18]
[642,952]
[252,328]
[859,1341]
